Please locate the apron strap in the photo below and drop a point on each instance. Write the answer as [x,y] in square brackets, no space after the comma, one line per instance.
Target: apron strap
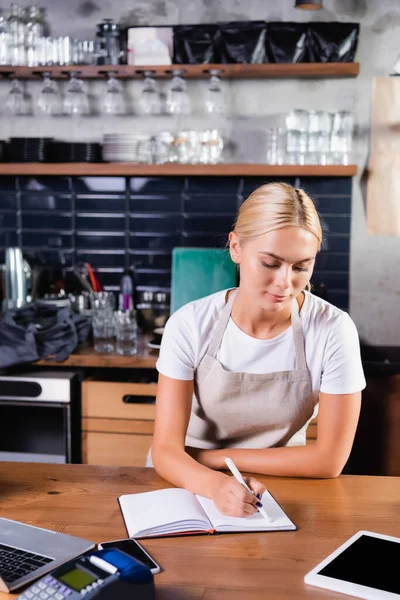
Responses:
[298,338]
[296,328]
[221,326]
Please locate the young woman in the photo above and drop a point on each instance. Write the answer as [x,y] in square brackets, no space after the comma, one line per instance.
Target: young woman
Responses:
[242,372]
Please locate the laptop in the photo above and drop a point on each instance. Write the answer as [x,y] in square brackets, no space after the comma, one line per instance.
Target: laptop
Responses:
[28,552]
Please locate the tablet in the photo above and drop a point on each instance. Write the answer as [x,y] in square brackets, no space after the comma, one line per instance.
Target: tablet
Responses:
[366,566]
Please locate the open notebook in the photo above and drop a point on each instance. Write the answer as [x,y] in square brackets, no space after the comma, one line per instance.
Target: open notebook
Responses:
[176,511]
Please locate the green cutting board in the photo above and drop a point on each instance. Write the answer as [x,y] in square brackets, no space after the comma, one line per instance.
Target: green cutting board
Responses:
[198,272]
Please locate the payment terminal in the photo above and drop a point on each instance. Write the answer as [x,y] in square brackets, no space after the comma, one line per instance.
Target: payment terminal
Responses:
[87,576]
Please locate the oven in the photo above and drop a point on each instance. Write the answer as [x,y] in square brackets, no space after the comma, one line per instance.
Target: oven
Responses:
[40,416]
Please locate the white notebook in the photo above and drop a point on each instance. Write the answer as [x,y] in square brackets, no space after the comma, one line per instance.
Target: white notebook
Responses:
[175,511]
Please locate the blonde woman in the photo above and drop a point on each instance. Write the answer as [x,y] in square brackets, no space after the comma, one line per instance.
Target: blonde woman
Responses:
[246,369]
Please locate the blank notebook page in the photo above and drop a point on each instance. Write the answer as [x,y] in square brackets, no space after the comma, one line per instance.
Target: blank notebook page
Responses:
[151,510]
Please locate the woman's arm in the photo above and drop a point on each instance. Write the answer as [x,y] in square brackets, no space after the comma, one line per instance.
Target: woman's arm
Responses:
[173,406]
[337,423]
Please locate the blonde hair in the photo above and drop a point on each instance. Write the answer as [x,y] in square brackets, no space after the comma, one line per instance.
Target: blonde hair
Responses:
[274,206]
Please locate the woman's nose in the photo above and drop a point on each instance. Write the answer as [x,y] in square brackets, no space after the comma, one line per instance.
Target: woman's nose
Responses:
[283,278]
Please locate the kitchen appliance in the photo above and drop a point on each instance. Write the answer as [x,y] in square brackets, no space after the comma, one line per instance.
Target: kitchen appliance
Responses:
[40,416]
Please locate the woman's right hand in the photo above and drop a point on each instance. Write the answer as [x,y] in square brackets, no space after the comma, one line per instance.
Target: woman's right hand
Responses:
[232,499]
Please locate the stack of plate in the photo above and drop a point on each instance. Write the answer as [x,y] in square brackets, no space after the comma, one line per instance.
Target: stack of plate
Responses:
[127,147]
[74,152]
[27,149]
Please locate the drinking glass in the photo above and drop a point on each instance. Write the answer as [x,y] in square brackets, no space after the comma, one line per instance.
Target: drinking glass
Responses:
[17,102]
[215,100]
[76,102]
[149,99]
[114,103]
[126,332]
[276,146]
[49,100]
[342,137]
[103,304]
[178,100]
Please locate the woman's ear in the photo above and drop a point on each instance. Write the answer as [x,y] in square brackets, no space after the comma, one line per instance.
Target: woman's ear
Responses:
[234,247]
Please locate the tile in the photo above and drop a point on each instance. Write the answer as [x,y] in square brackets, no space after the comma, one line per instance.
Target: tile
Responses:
[8,184]
[335,224]
[8,201]
[333,204]
[155,203]
[55,184]
[155,223]
[106,258]
[155,185]
[54,256]
[153,279]
[339,298]
[154,242]
[336,242]
[332,280]
[212,223]
[101,203]
[46,202]
[93,241]
[8,220]
[83,185]
[7,238]
[100,222]
[204,240]
[332,261]
[47,239]
[147,260]
[40,220]
[214,185]
[327,186]
[218,203]
[110,279]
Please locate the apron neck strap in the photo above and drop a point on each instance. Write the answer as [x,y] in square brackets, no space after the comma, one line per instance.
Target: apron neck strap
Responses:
[296,328]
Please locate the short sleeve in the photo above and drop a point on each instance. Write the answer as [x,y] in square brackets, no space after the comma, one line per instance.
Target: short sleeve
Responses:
[177,352]
[342,371]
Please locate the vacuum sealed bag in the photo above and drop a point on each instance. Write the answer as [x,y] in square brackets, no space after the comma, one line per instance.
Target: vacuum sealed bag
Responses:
[194,44]
[332,41]
[241,42]
[286,42]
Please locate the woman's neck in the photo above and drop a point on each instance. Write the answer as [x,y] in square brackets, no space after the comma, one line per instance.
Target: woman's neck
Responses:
[258,322]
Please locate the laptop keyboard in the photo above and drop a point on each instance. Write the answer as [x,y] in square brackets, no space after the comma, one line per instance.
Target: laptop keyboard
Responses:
[15,563]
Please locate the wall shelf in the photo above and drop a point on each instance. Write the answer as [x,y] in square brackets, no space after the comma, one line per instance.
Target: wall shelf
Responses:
[228,71]
[132,169]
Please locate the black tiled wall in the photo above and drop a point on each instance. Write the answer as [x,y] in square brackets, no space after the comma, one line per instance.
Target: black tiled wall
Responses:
[117,222]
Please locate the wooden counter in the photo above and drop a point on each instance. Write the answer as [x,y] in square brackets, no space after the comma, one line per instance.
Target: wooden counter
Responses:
[85,356]
[82,500]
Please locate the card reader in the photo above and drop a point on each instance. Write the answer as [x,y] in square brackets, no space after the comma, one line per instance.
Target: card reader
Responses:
[86,576]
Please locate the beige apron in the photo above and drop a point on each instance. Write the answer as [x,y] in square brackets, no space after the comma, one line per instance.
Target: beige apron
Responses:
[246,410]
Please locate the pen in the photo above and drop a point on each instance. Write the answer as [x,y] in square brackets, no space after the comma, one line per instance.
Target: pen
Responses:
[238,476]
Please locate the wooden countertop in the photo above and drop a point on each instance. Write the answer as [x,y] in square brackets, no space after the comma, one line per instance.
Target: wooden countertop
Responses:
[82,500]
[85,356]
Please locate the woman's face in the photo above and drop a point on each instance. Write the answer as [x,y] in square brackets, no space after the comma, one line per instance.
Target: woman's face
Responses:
[276,266]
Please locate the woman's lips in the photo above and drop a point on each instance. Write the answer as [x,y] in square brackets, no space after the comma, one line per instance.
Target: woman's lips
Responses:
[276,298]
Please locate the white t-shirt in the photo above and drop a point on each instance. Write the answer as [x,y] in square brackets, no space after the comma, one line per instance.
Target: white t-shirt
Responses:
[331,344]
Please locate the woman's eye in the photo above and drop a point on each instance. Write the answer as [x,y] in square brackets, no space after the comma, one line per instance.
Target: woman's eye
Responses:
[300,269]
[264,264]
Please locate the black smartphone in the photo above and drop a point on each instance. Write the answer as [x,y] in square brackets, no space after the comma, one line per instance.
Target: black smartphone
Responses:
[134,549]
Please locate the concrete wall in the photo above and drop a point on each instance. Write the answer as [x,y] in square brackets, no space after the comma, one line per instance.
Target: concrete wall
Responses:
[375,264]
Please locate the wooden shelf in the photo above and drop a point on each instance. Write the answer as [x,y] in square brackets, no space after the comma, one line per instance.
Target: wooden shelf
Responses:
[230,71]
[174,169]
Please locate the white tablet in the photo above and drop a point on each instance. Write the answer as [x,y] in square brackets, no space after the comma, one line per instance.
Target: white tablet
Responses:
[366,566]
